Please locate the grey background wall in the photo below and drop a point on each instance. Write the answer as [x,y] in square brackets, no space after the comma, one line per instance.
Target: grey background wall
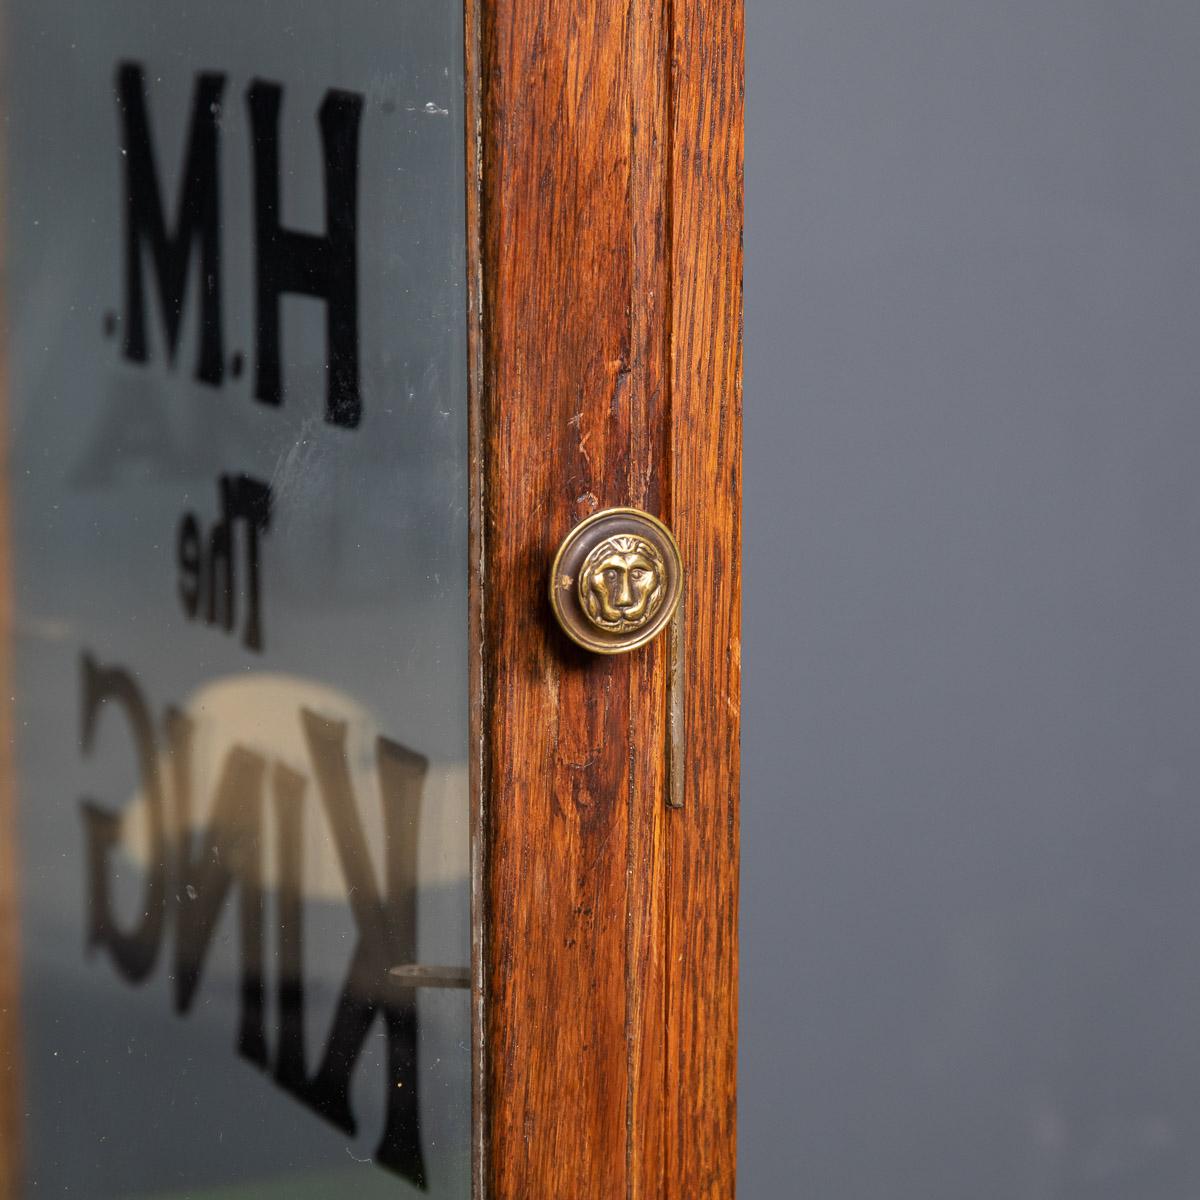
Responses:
[971,895]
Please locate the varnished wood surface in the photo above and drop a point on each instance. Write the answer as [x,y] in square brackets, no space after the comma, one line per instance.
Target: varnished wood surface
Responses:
[476,764]
[706,435]
[610,227]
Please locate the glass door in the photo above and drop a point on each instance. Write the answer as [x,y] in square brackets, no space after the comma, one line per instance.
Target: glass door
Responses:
[237,427]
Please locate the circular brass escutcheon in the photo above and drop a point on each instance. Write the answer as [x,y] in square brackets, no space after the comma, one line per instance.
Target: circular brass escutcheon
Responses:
[616,580]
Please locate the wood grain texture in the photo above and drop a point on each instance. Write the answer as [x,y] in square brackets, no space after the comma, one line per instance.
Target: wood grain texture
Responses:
[706,379]
[610,233]
[476,766]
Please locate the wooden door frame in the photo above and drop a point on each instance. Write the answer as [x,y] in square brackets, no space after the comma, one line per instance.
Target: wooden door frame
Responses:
[605,143]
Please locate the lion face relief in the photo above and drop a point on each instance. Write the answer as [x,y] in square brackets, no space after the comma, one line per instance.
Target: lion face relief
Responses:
[621,583]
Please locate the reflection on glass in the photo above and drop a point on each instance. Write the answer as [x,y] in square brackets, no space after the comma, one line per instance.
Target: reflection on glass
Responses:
[237,408]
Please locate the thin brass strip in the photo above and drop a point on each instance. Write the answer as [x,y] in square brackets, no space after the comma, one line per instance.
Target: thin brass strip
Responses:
[676,699]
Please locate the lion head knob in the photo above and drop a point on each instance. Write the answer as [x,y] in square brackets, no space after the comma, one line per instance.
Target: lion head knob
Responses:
[616,580]
[621,583]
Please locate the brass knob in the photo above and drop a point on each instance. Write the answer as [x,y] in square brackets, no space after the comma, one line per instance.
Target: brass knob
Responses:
[616,580]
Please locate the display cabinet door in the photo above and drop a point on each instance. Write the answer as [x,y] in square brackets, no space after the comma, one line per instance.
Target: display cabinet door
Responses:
[342,863]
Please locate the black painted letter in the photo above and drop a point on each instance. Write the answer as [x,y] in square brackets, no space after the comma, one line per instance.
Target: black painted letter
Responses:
[197,219]
[309,264]
[386,922]
[134,953]
[228,853]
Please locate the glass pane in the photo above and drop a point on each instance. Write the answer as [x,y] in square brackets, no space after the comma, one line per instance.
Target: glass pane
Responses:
[237,404]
